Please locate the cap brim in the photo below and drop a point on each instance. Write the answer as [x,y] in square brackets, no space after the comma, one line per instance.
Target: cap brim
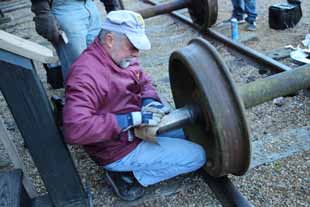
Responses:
[141,42]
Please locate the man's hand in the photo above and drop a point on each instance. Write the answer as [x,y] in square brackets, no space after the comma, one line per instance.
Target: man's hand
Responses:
[155,106]
[137,118]
[45,22]
[147,133]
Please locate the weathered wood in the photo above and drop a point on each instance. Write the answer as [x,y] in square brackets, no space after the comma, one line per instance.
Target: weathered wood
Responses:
[27,100]
[12,193]
[26,48]
[17,161]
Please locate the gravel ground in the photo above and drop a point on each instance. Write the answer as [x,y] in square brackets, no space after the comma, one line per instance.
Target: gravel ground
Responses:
[281,183]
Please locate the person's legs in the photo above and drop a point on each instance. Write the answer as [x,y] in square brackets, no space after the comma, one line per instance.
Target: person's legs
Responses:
[250,10]
[152,163]
[124,183]
[95,22]
[238,9]
[74,19]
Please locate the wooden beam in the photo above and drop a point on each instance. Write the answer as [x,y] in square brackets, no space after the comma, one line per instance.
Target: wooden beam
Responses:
[17,161]
[30,107]
[26,48]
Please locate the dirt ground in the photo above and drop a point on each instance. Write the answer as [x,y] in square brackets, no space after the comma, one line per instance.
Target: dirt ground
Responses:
[285,182]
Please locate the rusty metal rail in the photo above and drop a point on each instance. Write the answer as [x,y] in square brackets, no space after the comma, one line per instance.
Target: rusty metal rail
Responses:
[225,191]
[253,57]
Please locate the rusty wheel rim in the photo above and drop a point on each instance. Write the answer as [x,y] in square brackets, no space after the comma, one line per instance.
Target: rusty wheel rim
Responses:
[203,13]
[199,77]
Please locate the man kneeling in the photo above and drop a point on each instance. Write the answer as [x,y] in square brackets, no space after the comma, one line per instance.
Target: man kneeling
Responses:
[110,104]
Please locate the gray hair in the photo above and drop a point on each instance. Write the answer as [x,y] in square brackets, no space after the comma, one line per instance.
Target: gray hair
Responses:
[104,32]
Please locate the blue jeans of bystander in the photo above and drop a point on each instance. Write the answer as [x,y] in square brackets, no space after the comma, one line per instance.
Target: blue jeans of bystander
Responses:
[242,7]
[81,21]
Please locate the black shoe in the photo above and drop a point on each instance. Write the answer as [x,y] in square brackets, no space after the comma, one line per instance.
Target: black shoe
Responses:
[125,185]
[251,26]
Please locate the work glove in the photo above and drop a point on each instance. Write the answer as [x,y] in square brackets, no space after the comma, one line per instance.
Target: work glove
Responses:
[137,118]
[45,22]
[151,105]
[147,133]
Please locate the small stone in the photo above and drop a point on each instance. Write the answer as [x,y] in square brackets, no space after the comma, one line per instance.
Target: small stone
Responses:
[10,125]
[250,79]
[279,101]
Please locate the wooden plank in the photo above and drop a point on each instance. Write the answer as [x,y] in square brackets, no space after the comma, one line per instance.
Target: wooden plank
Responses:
[17,161]
[26,48]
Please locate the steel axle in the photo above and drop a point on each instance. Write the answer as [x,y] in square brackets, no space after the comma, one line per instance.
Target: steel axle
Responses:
[252,94]
[164,8]
[202,12]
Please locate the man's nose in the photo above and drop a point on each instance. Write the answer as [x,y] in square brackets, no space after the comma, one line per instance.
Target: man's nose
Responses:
[135,52]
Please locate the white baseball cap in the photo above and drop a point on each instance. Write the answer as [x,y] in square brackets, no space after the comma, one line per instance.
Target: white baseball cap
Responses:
[129,23]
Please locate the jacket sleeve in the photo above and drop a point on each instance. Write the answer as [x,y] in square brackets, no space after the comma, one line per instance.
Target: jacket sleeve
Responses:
[148,90]
[82,123]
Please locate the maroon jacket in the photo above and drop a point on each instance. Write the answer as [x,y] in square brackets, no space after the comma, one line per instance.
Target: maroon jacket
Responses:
[96,90]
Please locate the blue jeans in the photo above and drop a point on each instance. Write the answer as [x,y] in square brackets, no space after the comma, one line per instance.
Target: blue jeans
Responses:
[81,21]
[247,7]
[152,163]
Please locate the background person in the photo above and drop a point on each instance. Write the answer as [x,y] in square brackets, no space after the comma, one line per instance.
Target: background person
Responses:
[246,8]
[78,21]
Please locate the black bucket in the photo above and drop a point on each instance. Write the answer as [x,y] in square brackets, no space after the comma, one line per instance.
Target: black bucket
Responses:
[285,15]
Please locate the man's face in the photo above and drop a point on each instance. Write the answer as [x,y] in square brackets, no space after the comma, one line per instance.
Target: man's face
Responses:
[122,51]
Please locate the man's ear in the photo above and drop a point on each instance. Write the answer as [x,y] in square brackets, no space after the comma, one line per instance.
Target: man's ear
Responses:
[109,40]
